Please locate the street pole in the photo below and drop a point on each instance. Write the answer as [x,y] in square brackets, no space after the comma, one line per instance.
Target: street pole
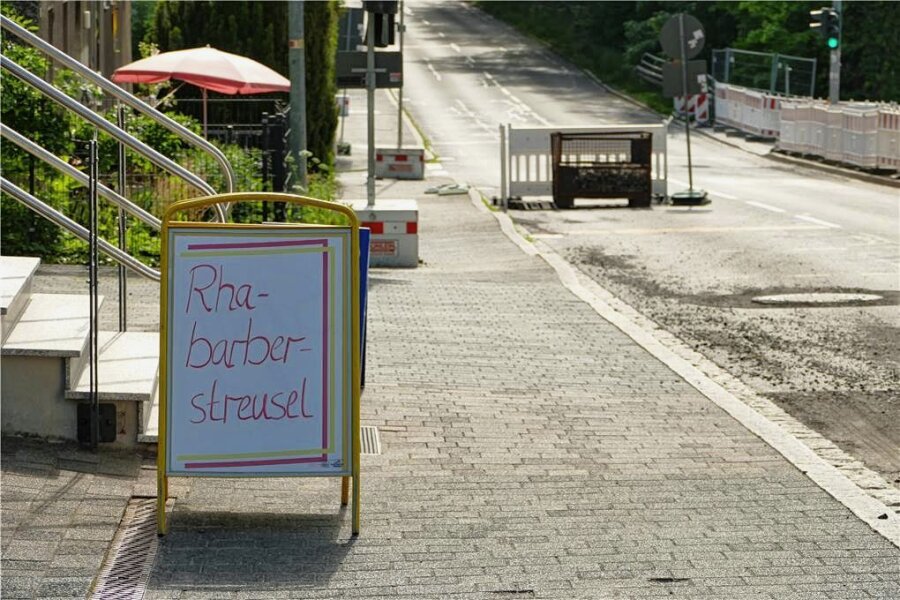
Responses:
[684,89]
[297,65]
[834,71]
[370,101]
[400,91]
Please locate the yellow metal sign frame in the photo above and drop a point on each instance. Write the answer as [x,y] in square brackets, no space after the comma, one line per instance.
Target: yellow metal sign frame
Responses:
[162,475]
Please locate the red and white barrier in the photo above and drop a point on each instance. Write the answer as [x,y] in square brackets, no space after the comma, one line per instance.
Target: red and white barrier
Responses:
[861,134]
[698,107]
[395,231]
[404,163]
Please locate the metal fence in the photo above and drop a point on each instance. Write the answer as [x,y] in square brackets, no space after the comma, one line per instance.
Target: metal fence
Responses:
[768,71]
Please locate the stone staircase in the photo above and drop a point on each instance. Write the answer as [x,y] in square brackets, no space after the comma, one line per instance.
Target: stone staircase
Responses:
[45,371]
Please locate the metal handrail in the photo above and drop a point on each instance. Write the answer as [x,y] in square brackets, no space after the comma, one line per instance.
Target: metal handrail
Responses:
[64,167]
[65,222]
[96,120]
[122,95]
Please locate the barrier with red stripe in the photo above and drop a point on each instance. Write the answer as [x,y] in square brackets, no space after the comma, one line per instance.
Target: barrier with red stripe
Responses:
[395,231]
[698,107]
[402,163]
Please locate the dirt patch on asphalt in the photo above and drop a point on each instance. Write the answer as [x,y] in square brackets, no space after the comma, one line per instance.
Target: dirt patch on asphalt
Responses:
[835,368]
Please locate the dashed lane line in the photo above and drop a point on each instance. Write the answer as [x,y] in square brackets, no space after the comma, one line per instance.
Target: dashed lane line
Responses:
[809,219]
[764,206]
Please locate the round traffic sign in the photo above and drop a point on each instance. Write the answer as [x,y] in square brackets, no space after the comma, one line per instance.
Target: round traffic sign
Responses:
[672,41]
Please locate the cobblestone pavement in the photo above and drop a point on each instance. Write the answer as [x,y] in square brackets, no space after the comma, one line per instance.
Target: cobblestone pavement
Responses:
[61,507]
[530,450]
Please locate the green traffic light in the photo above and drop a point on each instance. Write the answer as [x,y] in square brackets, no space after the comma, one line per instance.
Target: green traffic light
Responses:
[833,43]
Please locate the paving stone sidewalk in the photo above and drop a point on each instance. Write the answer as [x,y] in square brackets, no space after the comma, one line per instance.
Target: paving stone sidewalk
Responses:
[530,450]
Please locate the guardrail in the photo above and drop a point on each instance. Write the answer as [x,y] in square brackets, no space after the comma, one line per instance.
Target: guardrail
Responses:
[526,162]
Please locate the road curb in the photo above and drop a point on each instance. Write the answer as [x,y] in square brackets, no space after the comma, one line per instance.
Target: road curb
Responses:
[802,162]
[671,353]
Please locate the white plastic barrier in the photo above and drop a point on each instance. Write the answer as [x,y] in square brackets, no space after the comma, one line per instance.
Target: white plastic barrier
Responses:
[888,139]
[860,134]
[526,163]
[751,111]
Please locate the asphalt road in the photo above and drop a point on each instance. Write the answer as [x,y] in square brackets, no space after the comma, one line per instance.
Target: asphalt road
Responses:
[770,229]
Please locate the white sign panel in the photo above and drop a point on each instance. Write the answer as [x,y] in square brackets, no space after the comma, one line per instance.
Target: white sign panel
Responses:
[258,351]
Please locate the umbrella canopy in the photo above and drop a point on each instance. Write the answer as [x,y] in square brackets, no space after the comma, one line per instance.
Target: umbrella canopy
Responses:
[206,68]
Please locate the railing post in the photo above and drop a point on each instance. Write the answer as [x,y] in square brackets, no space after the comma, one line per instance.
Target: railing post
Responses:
[93,285]
[123,226]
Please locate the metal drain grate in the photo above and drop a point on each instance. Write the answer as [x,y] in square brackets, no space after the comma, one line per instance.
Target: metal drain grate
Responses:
[370,441]
[126,568]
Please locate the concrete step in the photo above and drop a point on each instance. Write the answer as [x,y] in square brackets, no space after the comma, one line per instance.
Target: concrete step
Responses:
[51,325]
[16,274]
[128,368]
[149,433]
[41,356]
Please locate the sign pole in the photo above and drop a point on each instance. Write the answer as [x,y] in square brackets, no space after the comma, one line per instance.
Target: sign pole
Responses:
[834,67]
[400,90]
[684,89]
[370,99]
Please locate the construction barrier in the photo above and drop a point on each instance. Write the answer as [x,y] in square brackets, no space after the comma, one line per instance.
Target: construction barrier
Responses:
[526,163]
[394,226]
[698,107]
[751,111]
[404,163]
[860,134]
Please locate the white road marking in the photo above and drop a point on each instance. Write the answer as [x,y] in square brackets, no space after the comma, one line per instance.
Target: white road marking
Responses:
[809,219]
[470,60]
[503,49]
[713,192]
[699,229]
[518,104]
[426,21]
[441,34]
[431,68]
[455,47]
[768,207]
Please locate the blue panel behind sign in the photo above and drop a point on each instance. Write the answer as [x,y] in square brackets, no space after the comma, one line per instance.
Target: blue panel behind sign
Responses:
[364,236]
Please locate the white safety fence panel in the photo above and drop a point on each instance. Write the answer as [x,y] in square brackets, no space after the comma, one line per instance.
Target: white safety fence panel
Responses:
[888,139]
[528,166]
[861,134]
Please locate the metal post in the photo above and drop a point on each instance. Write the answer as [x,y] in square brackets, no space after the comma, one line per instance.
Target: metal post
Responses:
[94,304]
[297,61]
[684,89]
[123,227]
[812,81]
[773,74]
[834,69]
[503,165]
[727,64]
[347,48]
[370,100]
[400,91]
[266,156]
[787,79]
[205,101]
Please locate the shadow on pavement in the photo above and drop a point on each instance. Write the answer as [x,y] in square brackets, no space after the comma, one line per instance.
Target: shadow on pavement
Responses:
[226,550]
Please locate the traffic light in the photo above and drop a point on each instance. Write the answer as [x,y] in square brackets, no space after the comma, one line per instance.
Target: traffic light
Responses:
[828,22]
[381,17]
